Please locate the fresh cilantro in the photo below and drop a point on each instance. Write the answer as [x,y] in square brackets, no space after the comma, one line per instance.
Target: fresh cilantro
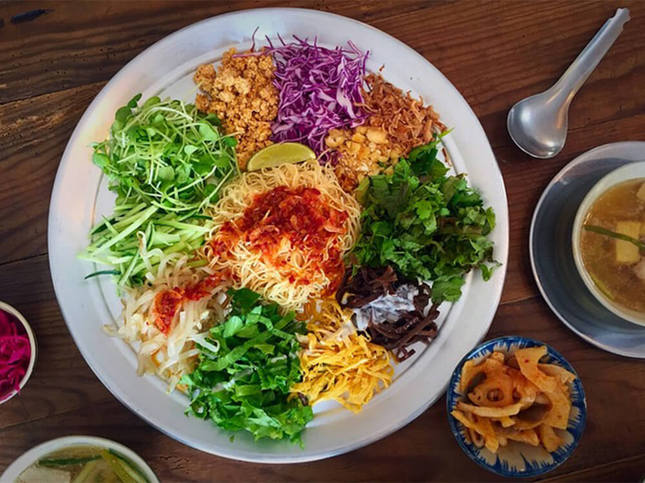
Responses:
[427,225]
[245,385]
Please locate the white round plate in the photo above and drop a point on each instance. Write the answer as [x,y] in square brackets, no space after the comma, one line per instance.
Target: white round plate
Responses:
[80,195]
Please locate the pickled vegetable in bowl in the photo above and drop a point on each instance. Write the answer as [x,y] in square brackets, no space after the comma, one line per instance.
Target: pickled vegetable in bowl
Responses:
[17,352]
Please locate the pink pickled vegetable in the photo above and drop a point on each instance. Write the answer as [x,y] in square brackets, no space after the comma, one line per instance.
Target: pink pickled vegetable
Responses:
[15,352]
[320,89]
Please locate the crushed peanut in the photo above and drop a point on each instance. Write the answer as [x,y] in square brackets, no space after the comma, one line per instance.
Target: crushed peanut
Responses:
[241,93]
[363,152]
[396,124]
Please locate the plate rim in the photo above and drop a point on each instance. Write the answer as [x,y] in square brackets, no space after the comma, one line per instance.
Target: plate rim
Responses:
[501,253]
[581,158]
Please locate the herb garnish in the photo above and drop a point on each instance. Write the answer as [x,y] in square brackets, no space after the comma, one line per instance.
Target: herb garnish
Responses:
[166,153]
[245,384]
[428,226]
[612,234]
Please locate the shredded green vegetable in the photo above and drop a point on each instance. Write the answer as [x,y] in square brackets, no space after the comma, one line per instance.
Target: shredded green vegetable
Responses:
[245,384]
[56,462]
[135,239]
[124,472]
[619,236]
[166,162]
[166,153]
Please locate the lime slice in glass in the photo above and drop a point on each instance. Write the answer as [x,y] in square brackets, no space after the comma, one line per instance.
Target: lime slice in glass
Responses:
[276,154]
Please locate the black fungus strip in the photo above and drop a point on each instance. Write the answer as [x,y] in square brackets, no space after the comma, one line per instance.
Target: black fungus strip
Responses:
[413,326]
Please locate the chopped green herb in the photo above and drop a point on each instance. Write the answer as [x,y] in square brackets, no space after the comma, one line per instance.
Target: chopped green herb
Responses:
[55,462]
[166,153]
[429,226]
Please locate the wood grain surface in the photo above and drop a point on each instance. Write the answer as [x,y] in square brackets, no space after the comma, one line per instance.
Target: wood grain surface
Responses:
[494,52]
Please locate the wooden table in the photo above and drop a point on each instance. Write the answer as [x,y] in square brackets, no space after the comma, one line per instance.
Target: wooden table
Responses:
[494,52]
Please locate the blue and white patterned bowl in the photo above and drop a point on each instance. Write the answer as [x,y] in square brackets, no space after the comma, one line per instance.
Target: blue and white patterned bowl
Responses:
[518,460]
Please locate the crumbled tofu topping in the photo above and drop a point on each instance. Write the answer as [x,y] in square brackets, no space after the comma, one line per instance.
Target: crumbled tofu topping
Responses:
[241,93]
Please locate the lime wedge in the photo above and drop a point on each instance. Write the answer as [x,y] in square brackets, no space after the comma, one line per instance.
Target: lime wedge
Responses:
[277,154]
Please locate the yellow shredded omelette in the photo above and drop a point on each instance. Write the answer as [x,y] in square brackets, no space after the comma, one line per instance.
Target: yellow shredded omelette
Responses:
[338,363]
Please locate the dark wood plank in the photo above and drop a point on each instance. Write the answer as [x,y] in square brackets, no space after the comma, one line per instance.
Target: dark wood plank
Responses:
[174,462]
[61,380]
[629,469]
[33,136]
[106,35]
[510,54]
[423,450]
[83,42]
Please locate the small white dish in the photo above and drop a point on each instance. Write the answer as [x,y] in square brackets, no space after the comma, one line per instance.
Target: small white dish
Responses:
[32,343]
[30,457]
[624,173]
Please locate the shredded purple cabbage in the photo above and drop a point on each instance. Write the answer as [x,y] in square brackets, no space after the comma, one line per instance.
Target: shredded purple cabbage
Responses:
[15,352]
[320,89]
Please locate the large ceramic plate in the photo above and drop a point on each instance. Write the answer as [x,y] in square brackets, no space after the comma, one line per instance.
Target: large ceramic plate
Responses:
[80,195]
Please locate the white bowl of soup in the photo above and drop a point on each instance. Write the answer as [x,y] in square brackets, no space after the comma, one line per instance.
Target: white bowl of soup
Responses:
[609,241]
[79,459]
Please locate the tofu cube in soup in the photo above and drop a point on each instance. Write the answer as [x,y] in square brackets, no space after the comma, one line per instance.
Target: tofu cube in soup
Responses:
[627,252]
[37,474]
[640,194]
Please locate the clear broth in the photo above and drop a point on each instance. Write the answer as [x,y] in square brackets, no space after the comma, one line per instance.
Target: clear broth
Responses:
[618,281]
[84,461]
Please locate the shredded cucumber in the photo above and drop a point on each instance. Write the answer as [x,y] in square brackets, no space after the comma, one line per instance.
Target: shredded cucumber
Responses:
[166,162]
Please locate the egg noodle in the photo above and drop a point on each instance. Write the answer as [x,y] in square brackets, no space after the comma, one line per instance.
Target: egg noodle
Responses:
[339,364]
[271,278]
[169,355]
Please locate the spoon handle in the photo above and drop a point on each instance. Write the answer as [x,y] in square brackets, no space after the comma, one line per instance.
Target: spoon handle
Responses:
[590,57]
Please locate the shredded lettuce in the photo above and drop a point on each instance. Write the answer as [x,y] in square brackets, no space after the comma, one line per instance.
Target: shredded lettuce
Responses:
[245,384]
